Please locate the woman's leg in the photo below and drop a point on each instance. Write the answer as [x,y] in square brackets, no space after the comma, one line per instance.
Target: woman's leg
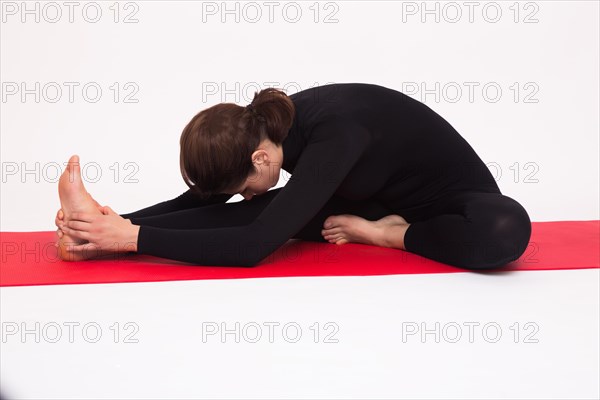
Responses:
[472,230]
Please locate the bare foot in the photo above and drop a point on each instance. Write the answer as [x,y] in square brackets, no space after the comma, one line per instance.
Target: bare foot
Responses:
[74,198]
[346,228]
[393,219]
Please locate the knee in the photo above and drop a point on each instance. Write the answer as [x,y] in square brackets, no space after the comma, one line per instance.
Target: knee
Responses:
[506,236]
[514,226]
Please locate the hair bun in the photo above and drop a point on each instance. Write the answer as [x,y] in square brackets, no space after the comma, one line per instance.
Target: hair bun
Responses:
[255,113]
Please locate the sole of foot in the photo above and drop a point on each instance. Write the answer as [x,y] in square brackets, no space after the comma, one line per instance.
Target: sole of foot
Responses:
[348,228]
[73,198]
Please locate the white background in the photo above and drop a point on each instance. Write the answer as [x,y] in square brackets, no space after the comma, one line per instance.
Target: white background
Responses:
[172,56]
[542,146]
[555,356]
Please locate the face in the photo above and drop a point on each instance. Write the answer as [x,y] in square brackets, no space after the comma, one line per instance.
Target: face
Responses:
[267,163]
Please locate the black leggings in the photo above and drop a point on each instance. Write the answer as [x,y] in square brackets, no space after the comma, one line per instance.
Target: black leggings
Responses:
[468,229]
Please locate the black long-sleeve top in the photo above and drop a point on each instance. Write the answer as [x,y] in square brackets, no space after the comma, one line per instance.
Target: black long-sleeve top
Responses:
[356,140]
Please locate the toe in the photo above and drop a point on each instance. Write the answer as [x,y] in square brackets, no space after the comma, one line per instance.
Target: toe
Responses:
[331,230]
[332,221]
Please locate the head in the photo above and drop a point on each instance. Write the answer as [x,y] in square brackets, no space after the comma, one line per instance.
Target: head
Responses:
[232,149]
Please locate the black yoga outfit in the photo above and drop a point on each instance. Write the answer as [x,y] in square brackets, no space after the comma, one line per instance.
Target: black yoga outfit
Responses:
[360,149]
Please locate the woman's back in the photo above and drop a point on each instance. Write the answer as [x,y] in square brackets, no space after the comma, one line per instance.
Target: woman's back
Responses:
[414,155]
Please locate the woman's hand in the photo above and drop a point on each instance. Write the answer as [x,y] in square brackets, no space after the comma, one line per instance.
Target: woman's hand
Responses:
[58,221]
[60,218]
[106,232]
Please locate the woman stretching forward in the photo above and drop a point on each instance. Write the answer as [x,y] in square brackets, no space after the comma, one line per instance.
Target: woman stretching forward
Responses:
[369,165]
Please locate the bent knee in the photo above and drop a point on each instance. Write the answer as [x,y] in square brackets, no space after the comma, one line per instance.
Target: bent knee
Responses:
[503,241]
[513,228]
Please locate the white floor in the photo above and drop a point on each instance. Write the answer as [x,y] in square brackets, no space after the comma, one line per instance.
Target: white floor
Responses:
[369,342]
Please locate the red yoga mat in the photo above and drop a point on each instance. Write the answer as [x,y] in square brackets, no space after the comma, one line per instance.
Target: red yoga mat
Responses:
[30,258]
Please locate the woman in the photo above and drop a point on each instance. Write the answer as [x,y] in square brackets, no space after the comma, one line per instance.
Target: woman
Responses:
[369,165]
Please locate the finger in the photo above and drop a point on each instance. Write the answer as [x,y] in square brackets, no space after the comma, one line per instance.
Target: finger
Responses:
[78,225]
[59,233]
[58,218]
[85,247]
[82,216]
[106,210]
[61,214]
[76,234]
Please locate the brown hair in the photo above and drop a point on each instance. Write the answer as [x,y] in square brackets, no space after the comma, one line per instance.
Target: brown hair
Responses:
[217,144]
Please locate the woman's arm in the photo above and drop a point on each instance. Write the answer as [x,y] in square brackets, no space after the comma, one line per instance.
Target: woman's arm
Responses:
[181,202]
[333,149]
